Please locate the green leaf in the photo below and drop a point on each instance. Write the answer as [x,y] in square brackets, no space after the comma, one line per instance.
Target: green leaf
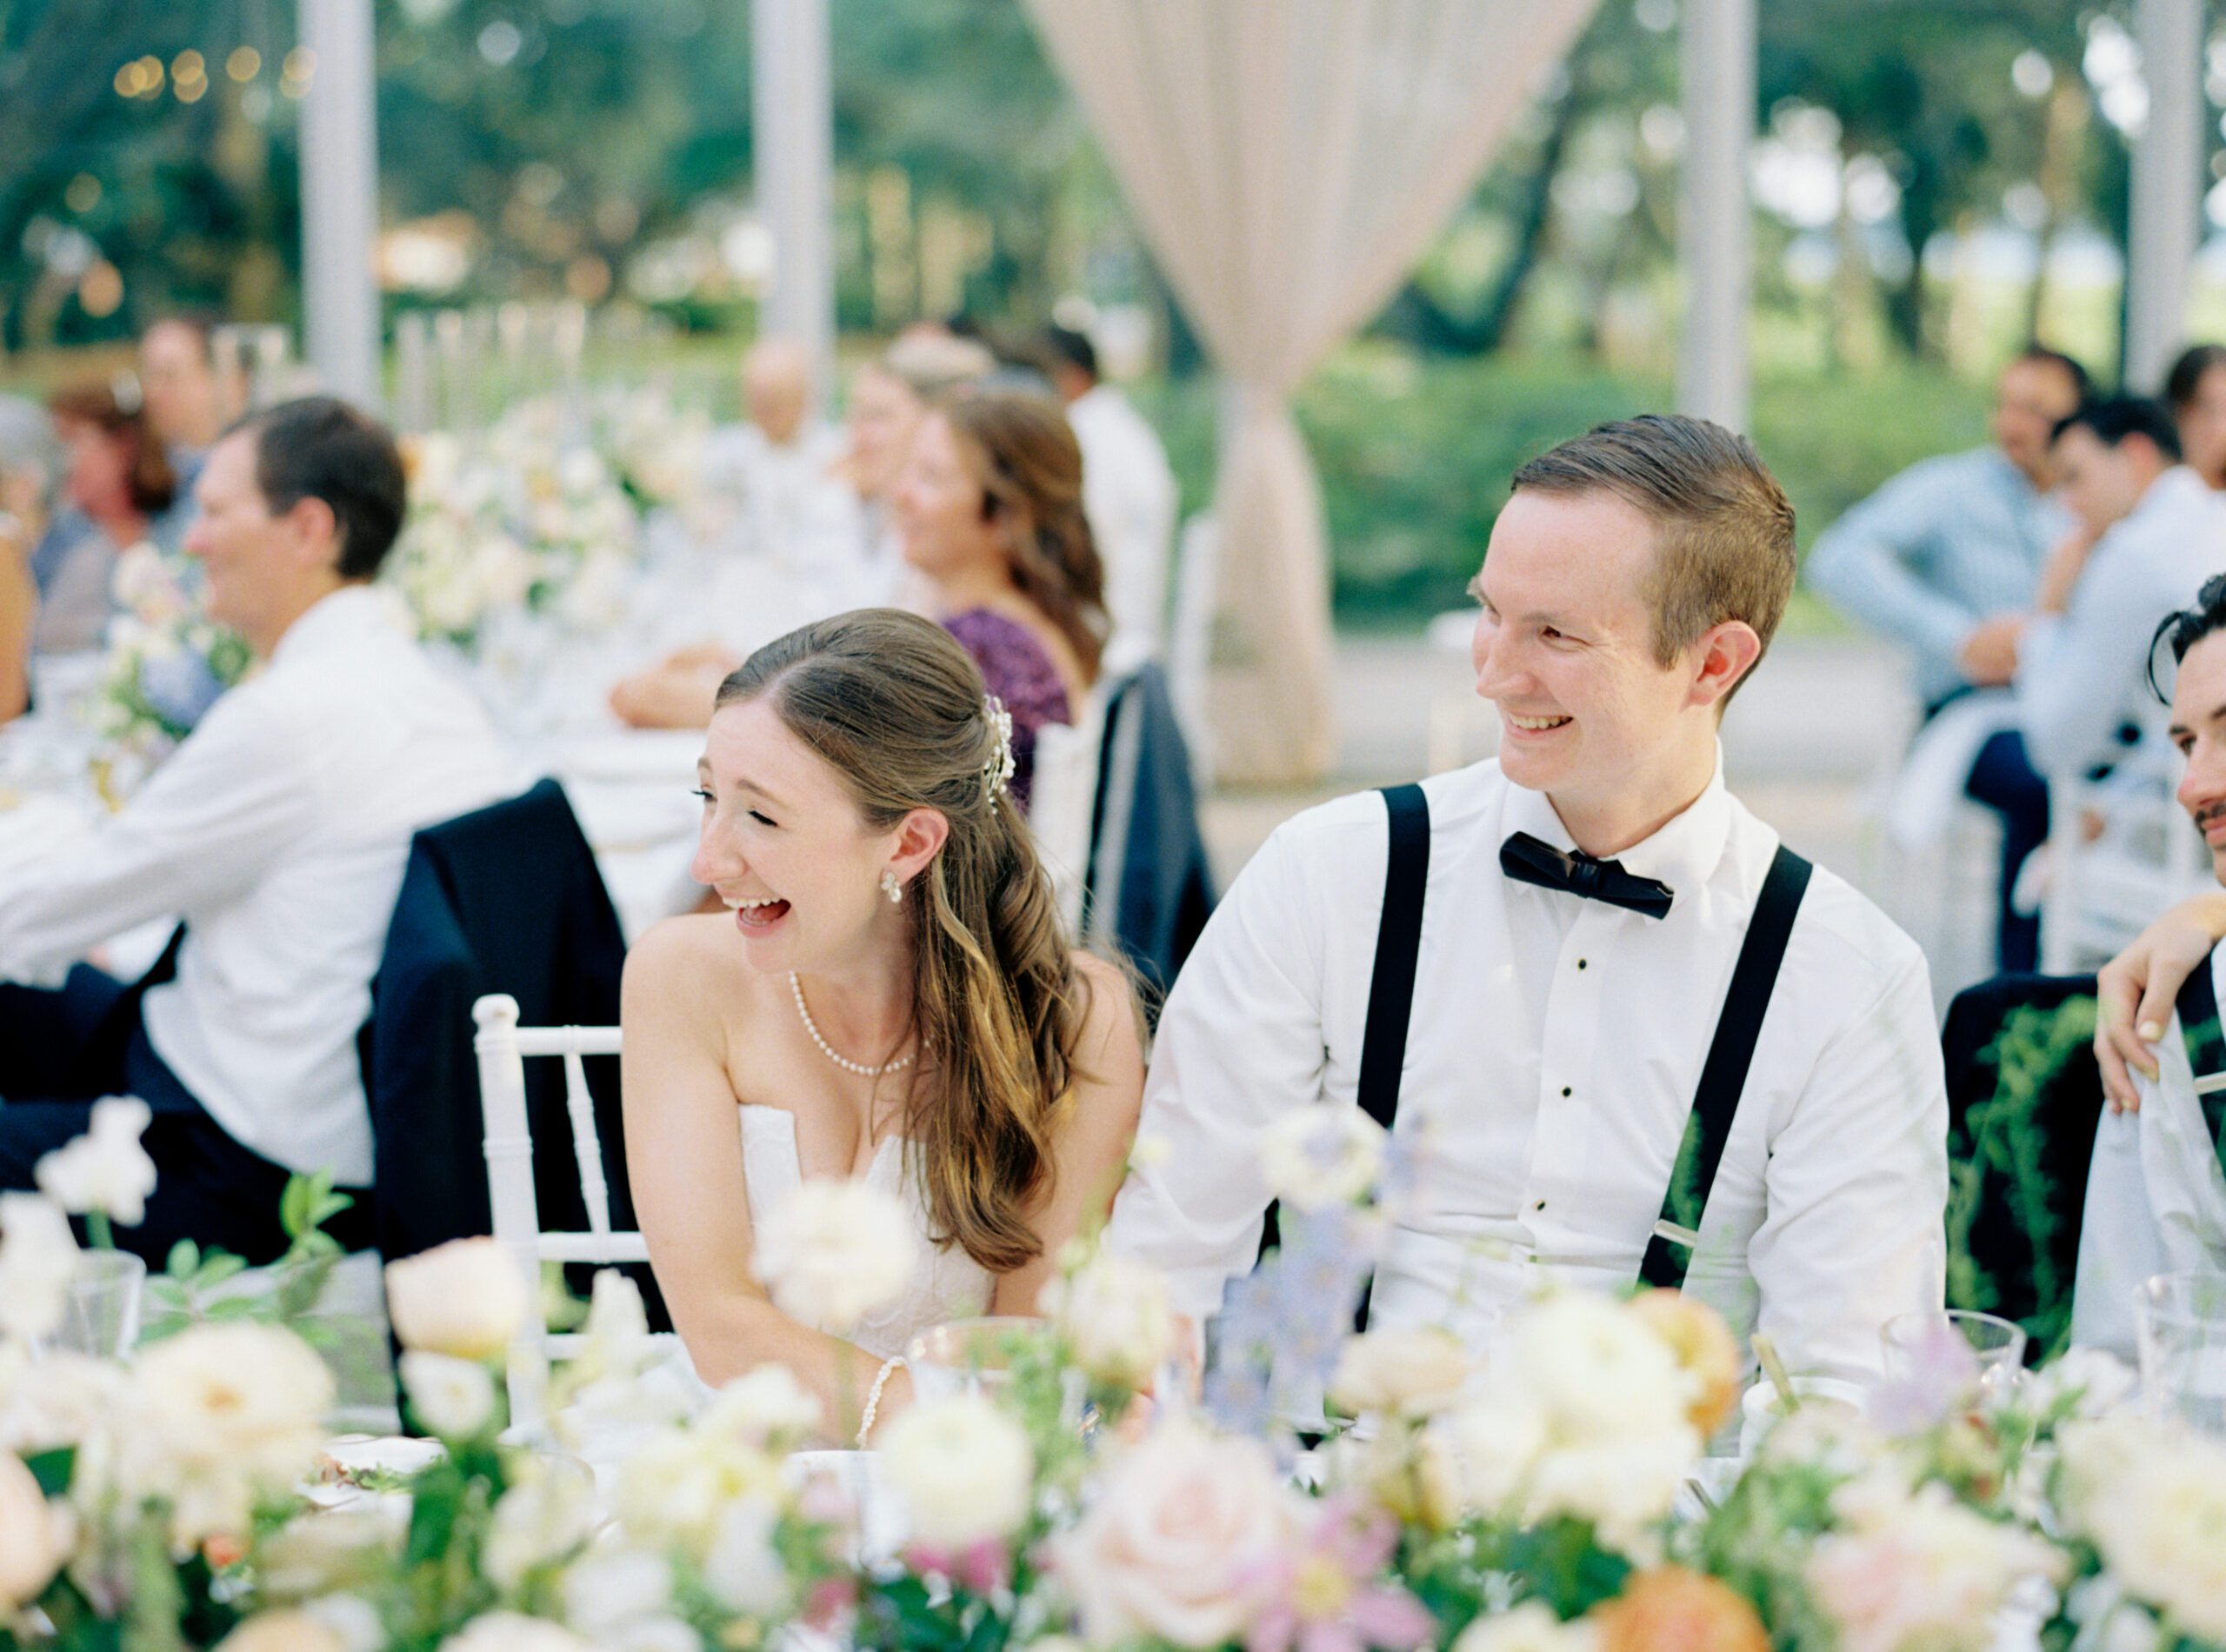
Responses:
[52,1469]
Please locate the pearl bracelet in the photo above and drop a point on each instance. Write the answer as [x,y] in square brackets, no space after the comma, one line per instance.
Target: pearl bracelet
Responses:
[873,1397]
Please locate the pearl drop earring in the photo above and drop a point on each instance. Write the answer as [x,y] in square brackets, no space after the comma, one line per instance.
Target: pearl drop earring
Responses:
[891,887]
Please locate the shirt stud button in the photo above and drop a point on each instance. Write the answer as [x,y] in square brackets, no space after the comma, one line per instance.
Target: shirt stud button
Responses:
[1580,963]
[1564,1089]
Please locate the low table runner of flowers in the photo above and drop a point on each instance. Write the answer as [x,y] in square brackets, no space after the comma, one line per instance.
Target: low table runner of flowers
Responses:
[1554,1500]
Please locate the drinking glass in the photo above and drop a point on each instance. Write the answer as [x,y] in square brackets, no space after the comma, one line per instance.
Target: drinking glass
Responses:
[971,1356]
[2179,1328]
[1957,1346]
[100,1315]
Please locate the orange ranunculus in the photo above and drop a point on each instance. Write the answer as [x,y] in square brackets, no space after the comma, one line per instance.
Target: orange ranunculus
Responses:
[1704,1345]
[1670,1609]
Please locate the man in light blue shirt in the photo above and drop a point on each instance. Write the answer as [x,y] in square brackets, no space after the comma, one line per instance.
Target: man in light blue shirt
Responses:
[1944,559]
[2159,532]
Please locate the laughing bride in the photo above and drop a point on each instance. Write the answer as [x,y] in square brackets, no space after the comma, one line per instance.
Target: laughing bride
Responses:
[889,996]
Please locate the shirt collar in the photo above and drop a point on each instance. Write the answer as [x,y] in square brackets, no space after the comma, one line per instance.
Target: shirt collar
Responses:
[1683,852]
[353,611]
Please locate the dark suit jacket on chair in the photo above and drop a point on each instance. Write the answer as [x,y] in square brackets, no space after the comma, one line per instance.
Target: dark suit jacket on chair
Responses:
[507,899]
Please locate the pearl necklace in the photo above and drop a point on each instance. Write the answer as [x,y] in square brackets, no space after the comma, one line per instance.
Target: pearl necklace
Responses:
[796,989]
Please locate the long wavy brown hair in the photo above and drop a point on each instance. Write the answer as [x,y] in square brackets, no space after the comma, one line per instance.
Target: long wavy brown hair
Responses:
[1022,451]
[896,706]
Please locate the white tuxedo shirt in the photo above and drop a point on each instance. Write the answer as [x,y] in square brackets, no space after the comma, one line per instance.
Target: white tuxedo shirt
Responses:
[1553,1049]
[278,830]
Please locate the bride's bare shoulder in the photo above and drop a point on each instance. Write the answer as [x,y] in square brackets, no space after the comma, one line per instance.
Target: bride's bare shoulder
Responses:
[697,955]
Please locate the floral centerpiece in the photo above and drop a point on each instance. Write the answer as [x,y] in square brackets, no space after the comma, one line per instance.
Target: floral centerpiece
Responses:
[167,660]
[1553,1497]
[530,517]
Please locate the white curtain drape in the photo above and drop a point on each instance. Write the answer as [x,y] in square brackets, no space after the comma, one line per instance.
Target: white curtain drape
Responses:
[1288,160]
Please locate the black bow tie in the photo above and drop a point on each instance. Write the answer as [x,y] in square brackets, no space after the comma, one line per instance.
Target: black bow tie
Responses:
[1523,858]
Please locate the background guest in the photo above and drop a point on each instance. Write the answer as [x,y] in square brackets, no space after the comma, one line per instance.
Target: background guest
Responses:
[990,512]
[2196,389]
[1128,490]
[185,400]
[119,485]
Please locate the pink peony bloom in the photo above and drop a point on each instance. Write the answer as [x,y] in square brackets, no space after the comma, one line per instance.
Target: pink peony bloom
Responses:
[1324,1593]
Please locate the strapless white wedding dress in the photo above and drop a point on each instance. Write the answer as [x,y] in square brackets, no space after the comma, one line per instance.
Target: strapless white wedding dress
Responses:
[946,1283]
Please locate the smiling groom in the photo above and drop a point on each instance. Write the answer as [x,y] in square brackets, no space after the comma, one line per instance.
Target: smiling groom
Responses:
[1624,1033]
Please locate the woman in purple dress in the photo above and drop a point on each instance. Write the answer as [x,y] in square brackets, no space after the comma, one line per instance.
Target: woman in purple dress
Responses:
[989,508]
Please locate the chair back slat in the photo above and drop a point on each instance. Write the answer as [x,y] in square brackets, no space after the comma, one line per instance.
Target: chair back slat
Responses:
[501,1045]
[587,1145]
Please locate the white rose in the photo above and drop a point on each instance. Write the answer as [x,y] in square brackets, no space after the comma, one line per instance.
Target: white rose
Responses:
[1182,1525]
[1316,1157]
[39,1258]
[763,1408]
[544,1517]
[834,1251]
[2154,1506]
[1409,1373]
[742,1568]
[105,1168]
[31,1550]
[962,1469]
[514,1632]
[455,1398]
[1624,1487]
[606,1591]
[1497,1437]
[353,1619]
[671,1488]
[466,1297]
[1599,1369]
[1115,1314]
[1922,1571]
[284,1631]
[1531,1627]
[219,1415]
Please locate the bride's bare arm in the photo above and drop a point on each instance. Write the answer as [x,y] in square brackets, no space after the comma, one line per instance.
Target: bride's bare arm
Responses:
[683,1158]
[1091,1152]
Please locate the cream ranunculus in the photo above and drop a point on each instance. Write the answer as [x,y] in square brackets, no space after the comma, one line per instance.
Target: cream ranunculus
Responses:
[1113,1313]
[834,1251]
[31,1550]
[1531,1627]
[547,1515]
[513,1632]
[105,1169]
[2156,1505]
[962,1469]
[286,1631]
[671,1488]
[467,1298]
[1318,1157]
[767,1408]
[453,1397]
[220,1414]
[1174,1545]
[1408,1373]
[39,1258]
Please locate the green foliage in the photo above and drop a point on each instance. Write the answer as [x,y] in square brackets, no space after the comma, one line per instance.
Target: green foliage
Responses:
[1414,454]
[2005,1134]
[195,1286]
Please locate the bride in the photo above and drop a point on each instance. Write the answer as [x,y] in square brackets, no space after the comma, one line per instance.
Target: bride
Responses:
[890,995]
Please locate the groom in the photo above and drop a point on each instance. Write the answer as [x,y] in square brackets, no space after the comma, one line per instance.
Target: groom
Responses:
[1616,972]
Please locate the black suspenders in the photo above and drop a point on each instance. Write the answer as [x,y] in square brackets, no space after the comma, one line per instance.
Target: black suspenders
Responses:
[2198,1006]
[1723,1075]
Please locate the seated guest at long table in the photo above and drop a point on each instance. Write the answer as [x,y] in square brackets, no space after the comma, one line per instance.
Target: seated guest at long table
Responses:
[890,995]
[277,831]
[1594,956]
[990,512]
[2157,1193]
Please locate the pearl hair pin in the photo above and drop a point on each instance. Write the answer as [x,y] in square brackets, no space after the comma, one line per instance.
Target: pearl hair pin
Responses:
[796,989]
